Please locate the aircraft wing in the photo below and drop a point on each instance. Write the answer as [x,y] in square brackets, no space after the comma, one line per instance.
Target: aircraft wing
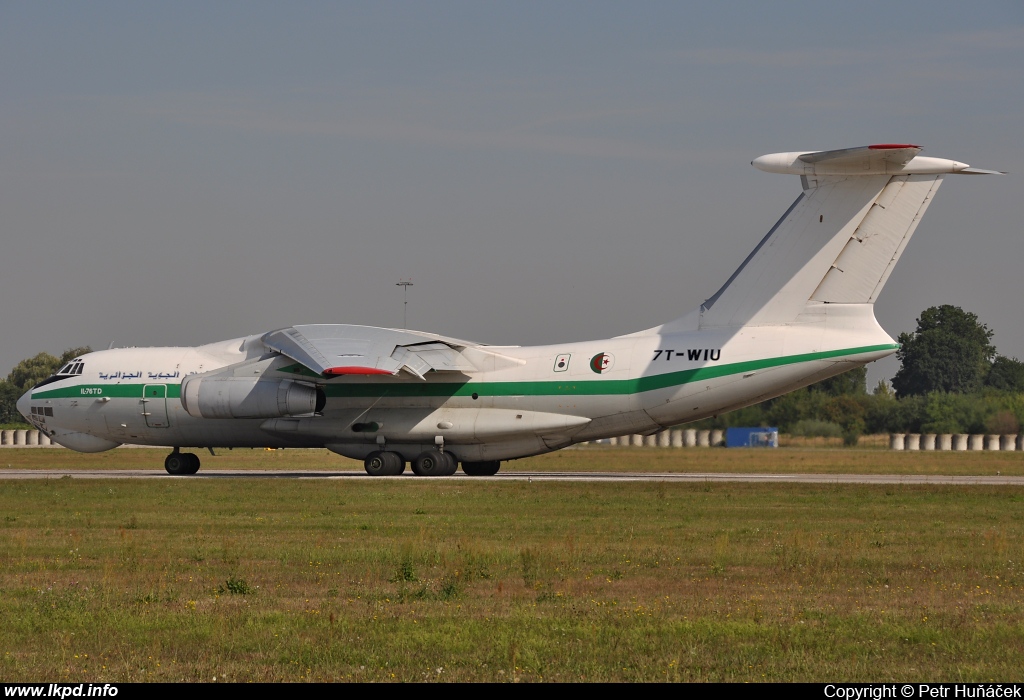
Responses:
[334,350]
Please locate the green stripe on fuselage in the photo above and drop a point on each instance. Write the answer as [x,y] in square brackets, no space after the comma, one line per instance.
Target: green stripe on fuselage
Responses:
[98,391]
[585,387]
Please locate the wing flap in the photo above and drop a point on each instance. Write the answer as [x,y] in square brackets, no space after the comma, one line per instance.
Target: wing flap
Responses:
[436,356]
[339,349]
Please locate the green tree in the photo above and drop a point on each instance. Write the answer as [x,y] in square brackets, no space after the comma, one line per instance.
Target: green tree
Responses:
[950,351]
[1006,374]
[26,374]
[30,372]
[883,390]
[848,413]
[9,403]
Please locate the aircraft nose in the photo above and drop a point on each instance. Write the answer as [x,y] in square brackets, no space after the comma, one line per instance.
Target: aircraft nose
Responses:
[23,403]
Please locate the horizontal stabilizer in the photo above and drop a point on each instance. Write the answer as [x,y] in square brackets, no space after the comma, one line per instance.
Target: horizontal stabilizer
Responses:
[881,159]
[839,240]
[890,153]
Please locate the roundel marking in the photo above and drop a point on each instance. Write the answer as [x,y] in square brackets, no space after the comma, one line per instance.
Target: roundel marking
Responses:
[602,362]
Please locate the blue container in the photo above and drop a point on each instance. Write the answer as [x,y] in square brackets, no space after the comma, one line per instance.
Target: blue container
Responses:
[752,437]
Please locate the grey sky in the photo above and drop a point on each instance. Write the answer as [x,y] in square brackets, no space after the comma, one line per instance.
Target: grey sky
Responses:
[189,172]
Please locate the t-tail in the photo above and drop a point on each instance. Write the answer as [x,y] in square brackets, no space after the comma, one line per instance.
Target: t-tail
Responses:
[838,242]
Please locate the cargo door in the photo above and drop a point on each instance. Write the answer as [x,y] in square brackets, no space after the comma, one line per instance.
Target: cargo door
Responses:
[154,405]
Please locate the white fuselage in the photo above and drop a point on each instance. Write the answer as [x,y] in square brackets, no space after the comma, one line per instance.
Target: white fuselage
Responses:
[532,400]
[800,308]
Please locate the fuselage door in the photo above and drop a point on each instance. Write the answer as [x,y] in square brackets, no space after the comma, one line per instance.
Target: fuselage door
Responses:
[154,405]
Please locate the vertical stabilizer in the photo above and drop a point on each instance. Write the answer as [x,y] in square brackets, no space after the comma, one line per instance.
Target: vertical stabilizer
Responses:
[839,240]
[866,261]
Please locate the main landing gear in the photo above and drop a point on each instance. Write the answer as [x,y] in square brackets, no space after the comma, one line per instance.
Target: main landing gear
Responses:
[434,463]
[427,463]
[181,463]
[384,464]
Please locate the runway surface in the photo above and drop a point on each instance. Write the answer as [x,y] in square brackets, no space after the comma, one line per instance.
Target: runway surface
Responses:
[979,480]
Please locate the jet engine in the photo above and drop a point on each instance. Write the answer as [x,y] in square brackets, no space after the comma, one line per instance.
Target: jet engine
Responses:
[248,397]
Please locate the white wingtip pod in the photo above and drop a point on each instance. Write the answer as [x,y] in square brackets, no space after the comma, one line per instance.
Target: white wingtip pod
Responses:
[879,159]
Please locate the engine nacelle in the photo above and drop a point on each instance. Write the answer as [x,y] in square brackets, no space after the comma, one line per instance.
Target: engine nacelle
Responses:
[246,397]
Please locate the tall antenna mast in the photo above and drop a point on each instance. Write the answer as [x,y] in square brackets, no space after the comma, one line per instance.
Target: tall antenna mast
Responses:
[404,284]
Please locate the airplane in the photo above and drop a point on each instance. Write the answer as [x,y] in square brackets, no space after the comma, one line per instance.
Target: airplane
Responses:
[799,309]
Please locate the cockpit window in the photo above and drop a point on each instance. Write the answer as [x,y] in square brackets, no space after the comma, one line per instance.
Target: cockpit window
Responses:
[51,380]
[71,369]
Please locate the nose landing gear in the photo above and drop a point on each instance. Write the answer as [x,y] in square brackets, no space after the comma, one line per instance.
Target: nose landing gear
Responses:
[181,463]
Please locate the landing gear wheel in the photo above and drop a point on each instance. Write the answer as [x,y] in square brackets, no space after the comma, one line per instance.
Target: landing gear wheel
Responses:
[453,464]
[375,464]
[434,463]
[481,468]
[178,464]
[181,463]
[397,465]
[384,464]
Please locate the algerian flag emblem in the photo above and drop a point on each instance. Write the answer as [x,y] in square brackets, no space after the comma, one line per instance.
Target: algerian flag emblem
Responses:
[602,362]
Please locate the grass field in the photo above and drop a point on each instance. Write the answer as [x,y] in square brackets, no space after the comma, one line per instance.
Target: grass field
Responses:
[414,579]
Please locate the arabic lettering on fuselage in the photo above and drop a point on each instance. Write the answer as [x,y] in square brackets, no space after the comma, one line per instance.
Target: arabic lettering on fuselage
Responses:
[138,374]
[163,375]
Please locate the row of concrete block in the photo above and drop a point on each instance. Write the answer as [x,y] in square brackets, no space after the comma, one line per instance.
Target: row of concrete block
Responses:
[25,438]
[666,438]
[956,442]
[669,438]
[687,438]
